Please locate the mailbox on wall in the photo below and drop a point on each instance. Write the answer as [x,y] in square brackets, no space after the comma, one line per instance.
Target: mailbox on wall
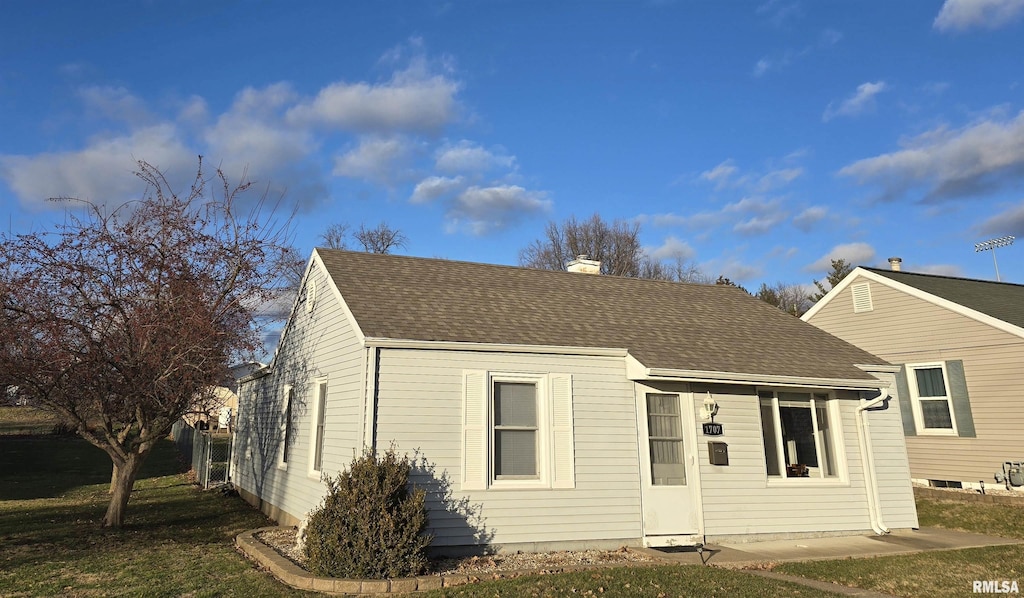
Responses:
[718,453]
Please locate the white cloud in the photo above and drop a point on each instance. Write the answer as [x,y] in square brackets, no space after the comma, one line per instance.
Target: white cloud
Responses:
[827,38]
[808,218]
[484,209]
[1007,222]
[412,101]
[434,187]
[778,178]
[693,221]
[765,214]
[672,249]
[102,171]
[981,157]
[961,15]
[863,99]
[721,174]
[116,103]
[854,254]
[938,269]
[381,160]
[732,268]
[466,156]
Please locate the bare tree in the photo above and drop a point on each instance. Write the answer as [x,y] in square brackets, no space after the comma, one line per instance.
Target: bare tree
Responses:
[616,245]
[790,298]
[840,268]
[121,322]
[380,239]
[334,236]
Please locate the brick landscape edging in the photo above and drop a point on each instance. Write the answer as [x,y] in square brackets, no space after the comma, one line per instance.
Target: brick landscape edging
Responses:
[291,574]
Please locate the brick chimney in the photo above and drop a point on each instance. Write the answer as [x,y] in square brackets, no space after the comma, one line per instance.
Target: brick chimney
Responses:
[582,265]
[894,263]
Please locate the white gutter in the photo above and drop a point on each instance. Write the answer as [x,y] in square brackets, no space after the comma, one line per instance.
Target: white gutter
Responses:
[395,343]
[868,458]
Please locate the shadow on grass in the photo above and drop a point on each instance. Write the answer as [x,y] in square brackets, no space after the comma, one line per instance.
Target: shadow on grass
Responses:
[48,467]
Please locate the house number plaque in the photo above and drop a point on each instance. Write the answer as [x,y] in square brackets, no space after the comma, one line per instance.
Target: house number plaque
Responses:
[712,429]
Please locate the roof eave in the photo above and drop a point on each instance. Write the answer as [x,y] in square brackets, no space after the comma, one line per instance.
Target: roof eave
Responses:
[665,374]
[399,343]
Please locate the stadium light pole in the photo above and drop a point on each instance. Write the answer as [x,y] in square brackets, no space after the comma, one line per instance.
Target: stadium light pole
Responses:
[992,244]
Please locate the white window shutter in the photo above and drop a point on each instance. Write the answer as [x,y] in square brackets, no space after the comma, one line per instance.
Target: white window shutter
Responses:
[474,430]
[563,473]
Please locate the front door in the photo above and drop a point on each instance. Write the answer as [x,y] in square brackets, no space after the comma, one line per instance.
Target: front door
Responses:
[667,456]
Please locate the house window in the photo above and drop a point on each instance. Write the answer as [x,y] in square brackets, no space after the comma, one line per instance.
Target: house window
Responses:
[515,429]
[932,404]
[319,419]
[286,425]
[665,433]
[799,441]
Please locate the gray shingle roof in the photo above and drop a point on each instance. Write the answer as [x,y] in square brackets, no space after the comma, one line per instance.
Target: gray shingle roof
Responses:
[662,324]
[1001,300]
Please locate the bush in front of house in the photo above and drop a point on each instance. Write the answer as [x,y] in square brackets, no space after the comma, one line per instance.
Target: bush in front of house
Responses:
[372,523]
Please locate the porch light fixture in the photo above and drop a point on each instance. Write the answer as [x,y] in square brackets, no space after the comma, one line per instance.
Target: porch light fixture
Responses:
[992,244]
[710,408]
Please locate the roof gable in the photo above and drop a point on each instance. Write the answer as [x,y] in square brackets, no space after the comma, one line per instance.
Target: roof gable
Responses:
[1000,300]
[662,324]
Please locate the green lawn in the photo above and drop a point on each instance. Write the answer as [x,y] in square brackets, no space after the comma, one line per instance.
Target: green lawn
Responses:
[24,420]
[179,541]
[943,573]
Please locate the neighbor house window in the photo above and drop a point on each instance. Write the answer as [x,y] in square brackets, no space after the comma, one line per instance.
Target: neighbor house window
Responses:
[799,441]
[665,434]
[515,430]
[286,425]
[932,404]
[319,419]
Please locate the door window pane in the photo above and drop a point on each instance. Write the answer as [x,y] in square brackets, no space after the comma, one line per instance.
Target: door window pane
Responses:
[665,431]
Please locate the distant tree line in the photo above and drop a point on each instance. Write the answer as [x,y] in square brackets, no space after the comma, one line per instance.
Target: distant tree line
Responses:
[617,246]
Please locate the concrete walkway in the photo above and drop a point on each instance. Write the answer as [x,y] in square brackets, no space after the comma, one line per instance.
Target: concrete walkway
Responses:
[755,555]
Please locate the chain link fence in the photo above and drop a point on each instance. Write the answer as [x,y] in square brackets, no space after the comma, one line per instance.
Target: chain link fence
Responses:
[208,452]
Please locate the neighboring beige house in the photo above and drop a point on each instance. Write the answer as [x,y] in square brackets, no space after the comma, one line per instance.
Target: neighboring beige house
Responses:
[559,409]
[961,346]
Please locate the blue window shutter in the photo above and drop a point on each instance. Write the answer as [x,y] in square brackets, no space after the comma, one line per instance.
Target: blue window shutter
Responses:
[961,400]
[906,408]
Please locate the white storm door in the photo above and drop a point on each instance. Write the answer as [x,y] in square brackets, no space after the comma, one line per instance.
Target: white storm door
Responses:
[669,465]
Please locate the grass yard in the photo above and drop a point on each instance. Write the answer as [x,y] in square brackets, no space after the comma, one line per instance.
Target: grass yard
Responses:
[648,582]
[24,420]
[179,541]
[943,573]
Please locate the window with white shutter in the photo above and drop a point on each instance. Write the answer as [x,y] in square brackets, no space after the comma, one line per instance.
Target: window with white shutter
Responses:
[517,431]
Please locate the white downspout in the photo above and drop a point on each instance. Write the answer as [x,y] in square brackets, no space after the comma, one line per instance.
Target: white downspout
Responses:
[867,456]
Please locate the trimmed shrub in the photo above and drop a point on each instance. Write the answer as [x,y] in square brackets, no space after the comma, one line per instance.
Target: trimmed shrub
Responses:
[371,524]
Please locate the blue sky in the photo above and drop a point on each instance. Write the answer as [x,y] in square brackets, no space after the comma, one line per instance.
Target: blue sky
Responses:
[755,139]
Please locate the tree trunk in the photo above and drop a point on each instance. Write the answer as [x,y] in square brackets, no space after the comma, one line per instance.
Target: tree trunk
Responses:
[113,479]
[121,489]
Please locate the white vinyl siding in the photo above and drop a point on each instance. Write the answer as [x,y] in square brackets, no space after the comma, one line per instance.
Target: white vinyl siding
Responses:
[318,345]
[592,490]
[740,499]
[905,329]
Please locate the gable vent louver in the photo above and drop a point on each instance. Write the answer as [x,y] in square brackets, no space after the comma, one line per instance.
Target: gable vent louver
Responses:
[862,298]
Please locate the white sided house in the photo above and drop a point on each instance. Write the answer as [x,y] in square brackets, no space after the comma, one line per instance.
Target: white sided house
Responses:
[960,345]
[551,410]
